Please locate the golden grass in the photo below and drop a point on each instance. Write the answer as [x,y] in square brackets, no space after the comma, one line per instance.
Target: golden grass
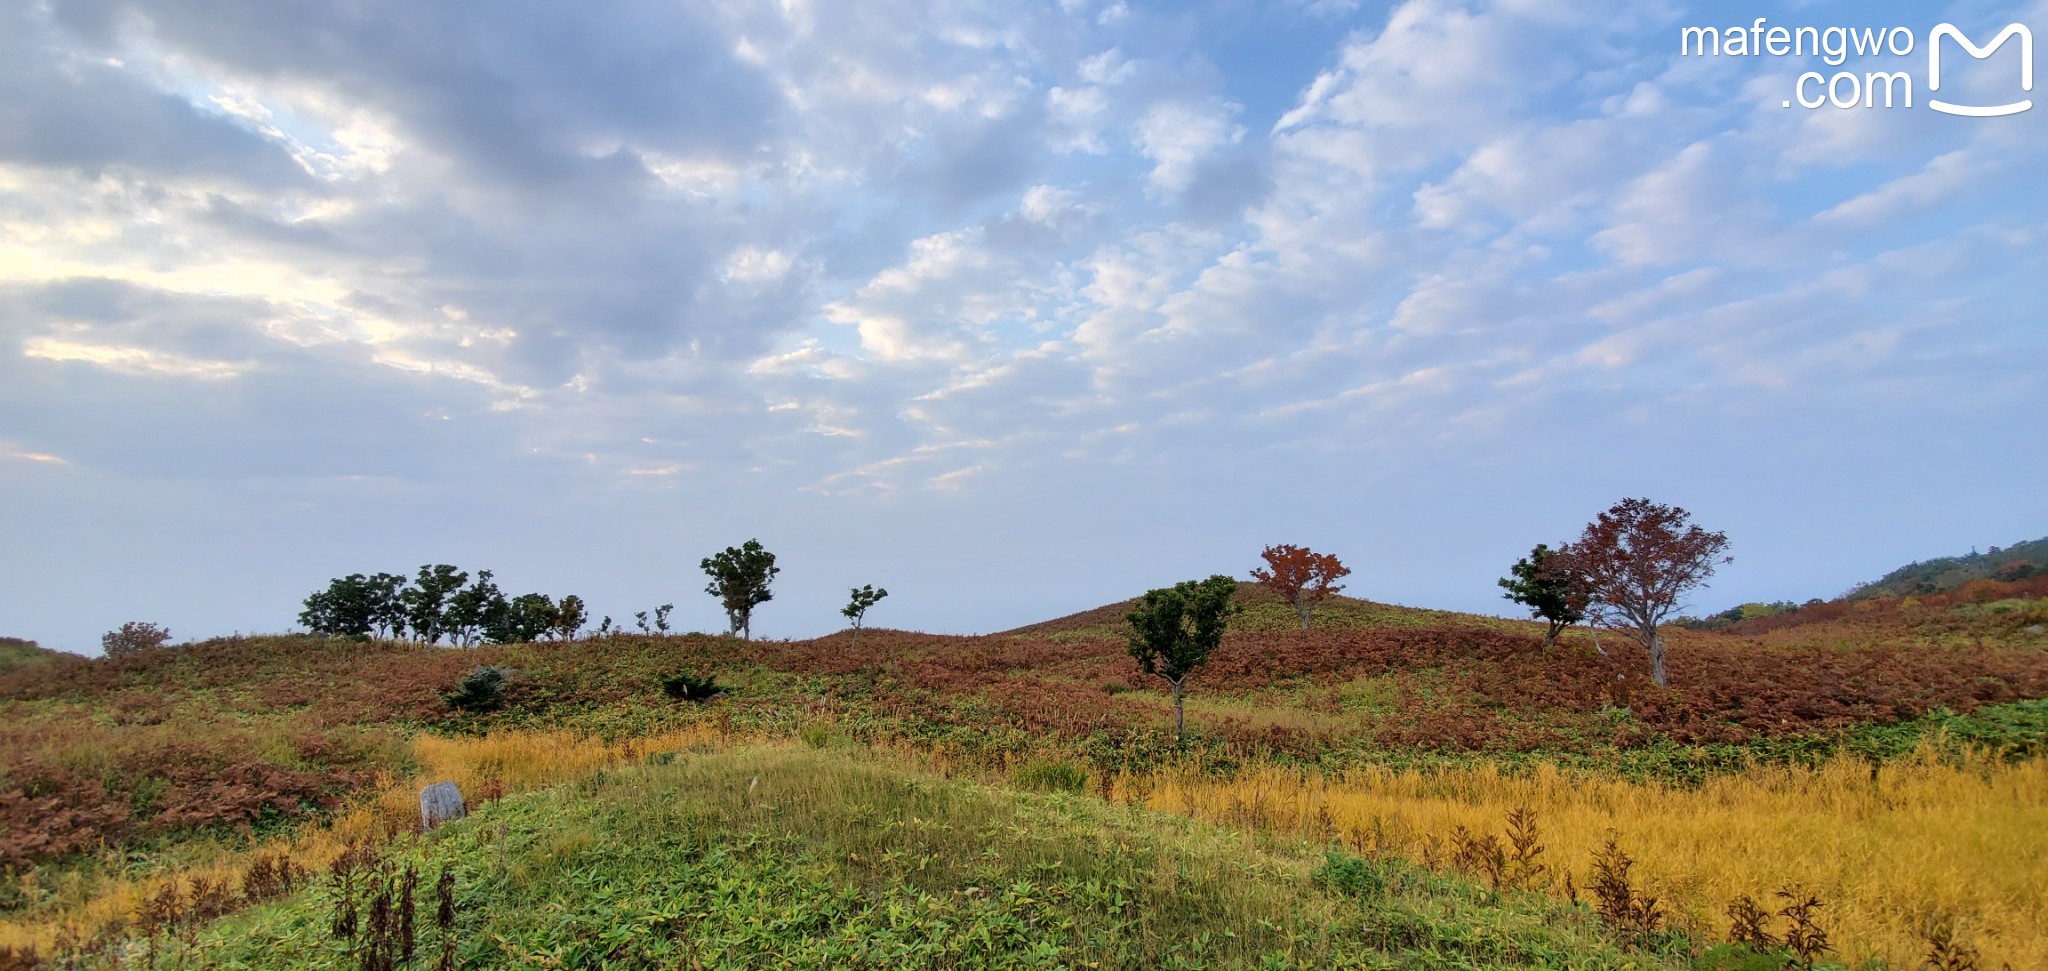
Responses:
[509,762]
[1927,836]
[1922,837]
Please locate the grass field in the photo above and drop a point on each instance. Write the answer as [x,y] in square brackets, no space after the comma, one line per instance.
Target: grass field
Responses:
[780,856]
[1885,756]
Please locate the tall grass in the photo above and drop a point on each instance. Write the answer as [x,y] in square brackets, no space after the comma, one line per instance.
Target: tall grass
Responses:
[1939,838]
[497,764]
[1888,850]
[784,855]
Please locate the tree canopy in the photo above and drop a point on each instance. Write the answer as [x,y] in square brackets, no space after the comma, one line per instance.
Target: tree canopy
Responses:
[1638,560]
[856,609]
[1552,593]
[1175,629]
[1301,576]
[739,579]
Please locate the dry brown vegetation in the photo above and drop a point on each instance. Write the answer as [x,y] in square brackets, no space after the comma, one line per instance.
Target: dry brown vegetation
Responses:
[242,740]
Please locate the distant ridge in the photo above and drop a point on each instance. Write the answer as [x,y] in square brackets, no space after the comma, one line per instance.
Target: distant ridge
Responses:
[2016,562]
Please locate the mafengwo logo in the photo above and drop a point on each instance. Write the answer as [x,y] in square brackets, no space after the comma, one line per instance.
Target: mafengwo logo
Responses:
[1870,89]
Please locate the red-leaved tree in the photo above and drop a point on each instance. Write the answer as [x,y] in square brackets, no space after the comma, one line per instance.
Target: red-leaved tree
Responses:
[1638,560]
[1301,576]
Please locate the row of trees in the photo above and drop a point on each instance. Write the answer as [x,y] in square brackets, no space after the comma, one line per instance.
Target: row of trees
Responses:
[440,601]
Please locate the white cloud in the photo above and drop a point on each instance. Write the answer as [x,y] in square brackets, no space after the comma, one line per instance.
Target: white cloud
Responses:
[752,264]
[1945,175]
[133,360]
[1178,135]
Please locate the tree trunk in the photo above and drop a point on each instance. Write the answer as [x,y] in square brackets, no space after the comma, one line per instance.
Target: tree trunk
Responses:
[1302,606]
[1180,721]
[1550,636]
[1657,660]
[856,634]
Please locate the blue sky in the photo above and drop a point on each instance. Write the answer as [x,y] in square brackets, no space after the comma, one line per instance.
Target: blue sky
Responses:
[1012,309]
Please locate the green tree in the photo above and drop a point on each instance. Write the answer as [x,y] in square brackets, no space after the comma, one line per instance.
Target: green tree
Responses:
[660,619]
[473,610]
[864,596]
[347,608]
[387,612]
[1175,629]
[528,617]
[427,598]
[739,579]
[570,616]
[1552,594]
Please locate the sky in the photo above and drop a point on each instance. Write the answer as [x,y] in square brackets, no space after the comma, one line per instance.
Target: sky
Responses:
[1012,309]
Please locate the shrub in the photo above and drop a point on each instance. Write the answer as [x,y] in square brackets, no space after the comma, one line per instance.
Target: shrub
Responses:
[1050,775]
[684,686]
[1349,875]
[822,735]
[482,689]
[133,637]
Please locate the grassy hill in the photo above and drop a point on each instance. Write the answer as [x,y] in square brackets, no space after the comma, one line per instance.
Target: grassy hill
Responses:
[2016,562]
[17,654]
[1400,739]
[790,856]
[1261,611]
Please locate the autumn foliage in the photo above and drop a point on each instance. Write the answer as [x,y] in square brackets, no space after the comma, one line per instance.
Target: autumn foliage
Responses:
[1638,560]
[252,733]
[1301,576]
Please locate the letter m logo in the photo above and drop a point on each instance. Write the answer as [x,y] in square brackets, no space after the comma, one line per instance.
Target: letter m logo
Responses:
[2026,68]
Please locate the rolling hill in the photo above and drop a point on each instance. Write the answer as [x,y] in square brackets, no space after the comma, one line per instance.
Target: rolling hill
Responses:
[1341,796]
[2016,562]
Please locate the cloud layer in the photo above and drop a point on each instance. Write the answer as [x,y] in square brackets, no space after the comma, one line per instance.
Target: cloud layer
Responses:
[1012,309]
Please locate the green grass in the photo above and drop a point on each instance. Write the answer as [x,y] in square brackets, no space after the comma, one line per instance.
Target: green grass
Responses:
[17,654]
[788,857]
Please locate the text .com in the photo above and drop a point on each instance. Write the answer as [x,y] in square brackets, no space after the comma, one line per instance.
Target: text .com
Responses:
[1868,89]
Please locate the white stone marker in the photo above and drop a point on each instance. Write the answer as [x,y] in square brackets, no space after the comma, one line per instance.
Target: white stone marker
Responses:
[440,803]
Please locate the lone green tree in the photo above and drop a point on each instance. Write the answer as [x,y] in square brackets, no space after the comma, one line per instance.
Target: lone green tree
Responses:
[1175,629]
[1552,594]
[739,579]
[856,609]
[1638,560]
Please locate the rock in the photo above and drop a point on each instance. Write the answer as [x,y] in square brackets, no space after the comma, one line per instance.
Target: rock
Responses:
[2037,630]
[440,803]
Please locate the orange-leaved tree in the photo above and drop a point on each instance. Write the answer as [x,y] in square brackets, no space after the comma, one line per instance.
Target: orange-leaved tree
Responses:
[1301,576]
[1638,559]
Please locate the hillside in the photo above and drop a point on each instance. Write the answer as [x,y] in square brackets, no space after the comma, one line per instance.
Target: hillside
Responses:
[828,859]
[1261,611]
[17,654]
[2016,562]
[202,755]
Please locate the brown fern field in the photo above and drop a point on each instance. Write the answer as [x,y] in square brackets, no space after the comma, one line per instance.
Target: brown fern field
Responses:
[1884,757]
